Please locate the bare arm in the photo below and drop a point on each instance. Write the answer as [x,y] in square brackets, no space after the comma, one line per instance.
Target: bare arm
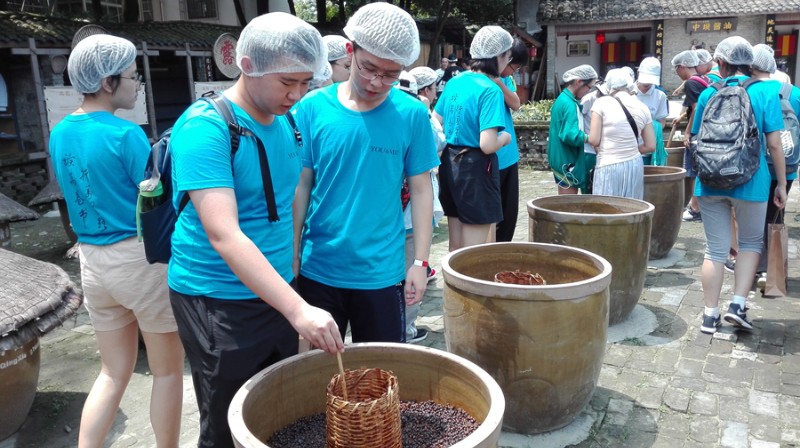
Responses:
[511,98]
[299,210]
[421,191]
[779,163]
[595,130]
[648,140]
[491,140]
[218,214]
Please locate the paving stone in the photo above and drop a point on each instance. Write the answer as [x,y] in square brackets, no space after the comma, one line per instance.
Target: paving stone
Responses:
[734,409]
[755,443]
[763,403]
[790,411]
[696,384]
[704,429]
[689,367]
[770,354]
[650,397]
[704,403]
[727,390]
[618,411]
[677,399]
[674,425]
[767,378]
[734,435]
[764,428]
[790,437]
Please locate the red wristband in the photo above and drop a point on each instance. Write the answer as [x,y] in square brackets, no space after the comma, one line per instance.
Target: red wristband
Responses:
[422,263]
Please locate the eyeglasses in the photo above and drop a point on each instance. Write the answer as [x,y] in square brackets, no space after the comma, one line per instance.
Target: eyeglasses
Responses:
[372,75]
[136,77]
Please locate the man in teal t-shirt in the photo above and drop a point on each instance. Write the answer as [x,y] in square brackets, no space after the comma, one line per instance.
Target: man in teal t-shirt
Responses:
[361,137]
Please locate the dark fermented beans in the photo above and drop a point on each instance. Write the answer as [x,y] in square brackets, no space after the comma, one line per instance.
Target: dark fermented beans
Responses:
[425,424]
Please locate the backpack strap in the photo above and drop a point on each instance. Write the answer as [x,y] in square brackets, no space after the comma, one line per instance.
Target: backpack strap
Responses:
[785,93]
[631,122]
[701,79]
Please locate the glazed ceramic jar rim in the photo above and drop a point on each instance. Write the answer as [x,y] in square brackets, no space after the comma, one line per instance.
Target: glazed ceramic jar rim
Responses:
[645,207]
[561,291]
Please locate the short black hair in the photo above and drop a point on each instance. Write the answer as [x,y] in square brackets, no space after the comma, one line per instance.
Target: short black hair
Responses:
[488,66]
[519,52]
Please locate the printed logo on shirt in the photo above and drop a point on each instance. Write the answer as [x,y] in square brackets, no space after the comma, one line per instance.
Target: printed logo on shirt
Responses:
[387,151]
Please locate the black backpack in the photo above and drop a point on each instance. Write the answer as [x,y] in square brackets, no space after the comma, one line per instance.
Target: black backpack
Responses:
[727,149]
[158,224]
[790,135]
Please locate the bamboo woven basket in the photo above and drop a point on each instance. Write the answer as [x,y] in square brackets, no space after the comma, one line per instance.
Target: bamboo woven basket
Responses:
[370,417]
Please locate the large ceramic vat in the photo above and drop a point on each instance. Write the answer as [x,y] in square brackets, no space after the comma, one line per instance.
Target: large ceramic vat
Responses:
[663,187]
[543,344]
[675,156]
[19,375]
[295,387]
[617,229]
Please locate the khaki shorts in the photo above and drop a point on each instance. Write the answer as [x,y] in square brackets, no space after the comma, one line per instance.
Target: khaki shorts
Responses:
[120,286]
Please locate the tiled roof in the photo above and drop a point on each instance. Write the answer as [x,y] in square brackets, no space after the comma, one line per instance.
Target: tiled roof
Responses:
[589,11]
[17,27]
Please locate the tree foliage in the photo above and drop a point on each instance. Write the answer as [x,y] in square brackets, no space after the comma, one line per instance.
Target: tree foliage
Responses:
[478,12]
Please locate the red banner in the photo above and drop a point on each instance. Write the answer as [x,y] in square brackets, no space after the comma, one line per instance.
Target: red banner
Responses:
[633,51]
[785,45]
[611,52]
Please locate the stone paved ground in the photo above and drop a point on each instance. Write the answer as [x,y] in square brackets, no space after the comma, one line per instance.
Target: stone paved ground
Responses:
[663,383]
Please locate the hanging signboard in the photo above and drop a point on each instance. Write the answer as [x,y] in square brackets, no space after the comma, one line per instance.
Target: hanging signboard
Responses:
[201,88]
[62,101]
[659,39]
[711,25]
[771,33]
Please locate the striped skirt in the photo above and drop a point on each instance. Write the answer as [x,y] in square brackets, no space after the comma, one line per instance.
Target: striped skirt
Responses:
[624,179]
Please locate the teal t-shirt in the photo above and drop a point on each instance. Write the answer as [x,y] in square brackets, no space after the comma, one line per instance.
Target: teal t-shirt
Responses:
[509,154]
[99,160]
[471,103]
[767,110]
[354,234]
[201,159]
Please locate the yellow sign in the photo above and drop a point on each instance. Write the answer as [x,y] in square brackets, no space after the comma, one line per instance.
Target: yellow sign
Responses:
[711,25]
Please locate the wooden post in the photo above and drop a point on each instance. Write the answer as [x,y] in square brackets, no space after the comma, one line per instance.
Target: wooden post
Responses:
[190,72]
[40,105]
[148,88]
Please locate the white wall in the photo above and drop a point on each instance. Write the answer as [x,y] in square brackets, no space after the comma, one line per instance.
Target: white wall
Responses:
[167,10]
[564,62]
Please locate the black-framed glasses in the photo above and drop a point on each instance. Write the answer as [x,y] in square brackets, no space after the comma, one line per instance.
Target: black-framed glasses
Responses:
[371,75]
[135,78]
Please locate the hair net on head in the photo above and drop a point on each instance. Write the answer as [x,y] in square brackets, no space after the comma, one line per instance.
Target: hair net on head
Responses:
[734,50]
[649,71]
[703,55]
[489,42]
[97,57]
[425,76]
[686,58]
[407,83]
[618,79]
[764,58]
[386,31]
[281,43]
[583,72]
[316,83]
[336,46]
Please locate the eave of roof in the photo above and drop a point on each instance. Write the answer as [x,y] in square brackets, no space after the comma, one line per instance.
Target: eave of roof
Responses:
[554,12]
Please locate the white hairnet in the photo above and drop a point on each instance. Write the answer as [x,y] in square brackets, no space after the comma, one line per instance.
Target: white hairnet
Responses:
[583,72]
[327,73]
[764,58]
[386,31]
[281,43]
[425,76]
[686,58]
[407,83]
[489,42]
[97,57]
[734,50]
[703,55]
[336,46]
[618,79]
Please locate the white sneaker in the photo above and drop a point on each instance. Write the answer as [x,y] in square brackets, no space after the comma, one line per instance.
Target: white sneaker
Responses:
[762,281]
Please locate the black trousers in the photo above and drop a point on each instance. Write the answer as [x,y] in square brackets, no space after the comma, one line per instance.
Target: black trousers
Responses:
[227,342]
[374,315]
[509,196]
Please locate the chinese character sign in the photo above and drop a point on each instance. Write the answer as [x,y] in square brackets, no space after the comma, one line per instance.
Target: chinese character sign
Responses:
[711,25]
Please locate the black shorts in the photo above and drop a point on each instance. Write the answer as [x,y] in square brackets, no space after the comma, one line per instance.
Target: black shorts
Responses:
[469,187]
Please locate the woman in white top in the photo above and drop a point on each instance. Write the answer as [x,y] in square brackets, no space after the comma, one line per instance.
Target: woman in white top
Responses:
[619,170]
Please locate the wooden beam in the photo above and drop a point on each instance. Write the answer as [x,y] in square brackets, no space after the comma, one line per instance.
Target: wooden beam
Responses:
[40,51]
[148,88]
[189,71]
[40,104]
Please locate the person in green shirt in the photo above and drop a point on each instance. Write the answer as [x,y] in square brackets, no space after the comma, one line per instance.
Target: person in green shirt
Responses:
[565,145]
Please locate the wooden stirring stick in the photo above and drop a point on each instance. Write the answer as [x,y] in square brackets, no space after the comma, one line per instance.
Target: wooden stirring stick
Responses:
[341,372]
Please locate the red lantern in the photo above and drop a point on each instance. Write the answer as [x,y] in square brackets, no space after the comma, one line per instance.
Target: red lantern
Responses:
[600,37]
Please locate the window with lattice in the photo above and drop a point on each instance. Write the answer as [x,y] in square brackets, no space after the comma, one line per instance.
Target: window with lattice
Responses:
[201,9]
